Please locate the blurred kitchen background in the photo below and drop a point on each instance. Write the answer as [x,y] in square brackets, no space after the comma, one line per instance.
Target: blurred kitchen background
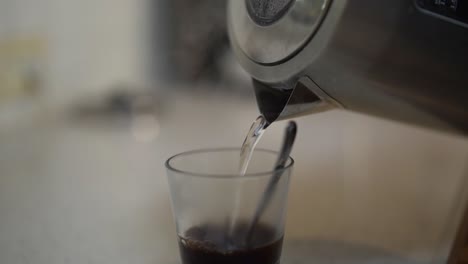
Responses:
[96,95]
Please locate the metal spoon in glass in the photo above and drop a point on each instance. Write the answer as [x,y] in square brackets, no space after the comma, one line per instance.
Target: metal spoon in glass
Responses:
[288,142]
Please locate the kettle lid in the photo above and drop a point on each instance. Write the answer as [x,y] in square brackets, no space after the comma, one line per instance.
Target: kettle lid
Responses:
[271,31]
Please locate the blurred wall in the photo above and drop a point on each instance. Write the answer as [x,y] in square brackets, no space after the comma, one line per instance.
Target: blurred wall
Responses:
[76,47]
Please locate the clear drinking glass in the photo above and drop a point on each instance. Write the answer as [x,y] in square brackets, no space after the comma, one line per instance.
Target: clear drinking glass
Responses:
[214,206]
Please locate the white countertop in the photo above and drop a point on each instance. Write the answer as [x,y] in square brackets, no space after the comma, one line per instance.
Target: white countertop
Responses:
[96,192]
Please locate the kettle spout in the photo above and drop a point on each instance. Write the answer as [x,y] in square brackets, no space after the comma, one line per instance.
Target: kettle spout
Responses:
[305,98]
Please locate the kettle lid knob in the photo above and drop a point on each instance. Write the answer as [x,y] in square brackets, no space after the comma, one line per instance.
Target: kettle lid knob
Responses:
[267,12]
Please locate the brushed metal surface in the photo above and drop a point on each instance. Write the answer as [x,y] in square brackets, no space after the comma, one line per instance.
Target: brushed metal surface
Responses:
[384,58]
[272,43]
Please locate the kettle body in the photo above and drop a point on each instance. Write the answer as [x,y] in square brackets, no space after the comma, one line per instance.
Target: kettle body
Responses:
[401,59]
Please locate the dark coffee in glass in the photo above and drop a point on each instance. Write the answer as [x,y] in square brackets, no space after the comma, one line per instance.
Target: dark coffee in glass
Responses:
[210,244]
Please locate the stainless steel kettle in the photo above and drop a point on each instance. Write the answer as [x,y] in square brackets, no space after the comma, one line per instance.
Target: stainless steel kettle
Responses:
[401,59]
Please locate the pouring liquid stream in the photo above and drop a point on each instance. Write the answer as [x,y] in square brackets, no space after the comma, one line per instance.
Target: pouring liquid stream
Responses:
[250,141]
[248,147]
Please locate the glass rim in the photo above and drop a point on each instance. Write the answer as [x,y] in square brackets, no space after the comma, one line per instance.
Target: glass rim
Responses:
[168,165]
